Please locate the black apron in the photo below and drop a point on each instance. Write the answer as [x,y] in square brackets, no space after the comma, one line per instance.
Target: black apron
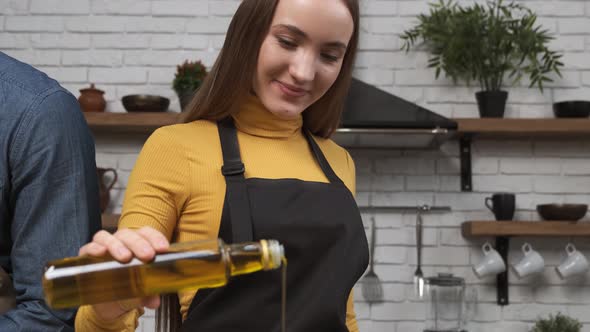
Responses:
[325,244]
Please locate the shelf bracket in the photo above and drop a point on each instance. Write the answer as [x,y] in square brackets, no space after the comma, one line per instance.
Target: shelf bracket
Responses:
[502,244]
[465,154]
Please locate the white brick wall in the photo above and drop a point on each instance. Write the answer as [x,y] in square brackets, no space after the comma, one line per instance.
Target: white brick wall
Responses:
[133,46]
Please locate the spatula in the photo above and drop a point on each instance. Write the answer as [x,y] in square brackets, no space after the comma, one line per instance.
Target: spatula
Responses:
[371,285]
[418,276]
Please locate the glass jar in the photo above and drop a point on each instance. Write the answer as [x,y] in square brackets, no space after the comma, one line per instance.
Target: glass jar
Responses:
[444,296]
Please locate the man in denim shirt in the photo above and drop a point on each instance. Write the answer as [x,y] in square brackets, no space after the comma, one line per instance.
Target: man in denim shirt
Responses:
[48,189]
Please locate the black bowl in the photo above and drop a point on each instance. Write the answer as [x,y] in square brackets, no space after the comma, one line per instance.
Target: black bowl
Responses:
[145,103]
[572,109]
[566,212]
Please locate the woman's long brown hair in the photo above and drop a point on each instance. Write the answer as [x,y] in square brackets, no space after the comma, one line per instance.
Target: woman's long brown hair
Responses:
[230,80]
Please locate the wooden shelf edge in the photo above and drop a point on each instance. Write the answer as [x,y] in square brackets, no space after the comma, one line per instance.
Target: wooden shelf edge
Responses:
[524,228]
[110,221]
[143,122]
[523,127]
[146,122]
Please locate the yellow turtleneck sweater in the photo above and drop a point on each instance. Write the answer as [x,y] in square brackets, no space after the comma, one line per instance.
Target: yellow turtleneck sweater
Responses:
[177,187]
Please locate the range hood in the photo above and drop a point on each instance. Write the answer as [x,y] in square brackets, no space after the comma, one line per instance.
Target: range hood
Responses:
[375,118]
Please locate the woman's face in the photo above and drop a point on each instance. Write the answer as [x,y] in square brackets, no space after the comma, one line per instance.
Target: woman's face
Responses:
[302,54]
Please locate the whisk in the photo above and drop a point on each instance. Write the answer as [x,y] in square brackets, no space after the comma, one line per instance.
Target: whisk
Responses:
[371,285]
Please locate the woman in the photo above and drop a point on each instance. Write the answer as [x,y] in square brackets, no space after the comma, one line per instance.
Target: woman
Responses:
[280,79]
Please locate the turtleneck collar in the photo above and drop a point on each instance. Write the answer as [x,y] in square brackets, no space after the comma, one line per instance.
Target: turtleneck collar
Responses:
[253,118]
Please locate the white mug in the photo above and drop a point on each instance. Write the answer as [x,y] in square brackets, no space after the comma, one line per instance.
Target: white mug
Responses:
[492,262]
[575,263]
[531,263]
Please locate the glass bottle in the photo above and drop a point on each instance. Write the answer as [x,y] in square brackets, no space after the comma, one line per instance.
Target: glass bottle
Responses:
[76,281]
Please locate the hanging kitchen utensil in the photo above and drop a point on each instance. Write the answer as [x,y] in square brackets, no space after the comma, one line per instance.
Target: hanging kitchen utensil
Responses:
[371,285]
[418,275]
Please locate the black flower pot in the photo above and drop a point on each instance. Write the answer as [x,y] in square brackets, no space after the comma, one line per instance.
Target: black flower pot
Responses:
[185,98]
[491,104]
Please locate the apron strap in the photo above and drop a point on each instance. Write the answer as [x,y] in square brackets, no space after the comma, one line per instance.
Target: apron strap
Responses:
[319,156]
[236,193]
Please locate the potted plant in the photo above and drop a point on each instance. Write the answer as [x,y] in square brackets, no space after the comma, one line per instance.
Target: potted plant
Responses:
[188,78]
[488,44]
[557,323]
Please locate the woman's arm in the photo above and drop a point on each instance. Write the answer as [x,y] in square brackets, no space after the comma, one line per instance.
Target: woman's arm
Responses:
[155,194]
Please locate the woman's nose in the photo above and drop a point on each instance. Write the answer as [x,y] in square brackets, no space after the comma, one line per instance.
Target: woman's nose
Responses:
[302,67]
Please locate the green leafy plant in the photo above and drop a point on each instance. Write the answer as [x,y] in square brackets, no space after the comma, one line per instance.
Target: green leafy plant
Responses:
[189,77]
[557,323]
[483,43]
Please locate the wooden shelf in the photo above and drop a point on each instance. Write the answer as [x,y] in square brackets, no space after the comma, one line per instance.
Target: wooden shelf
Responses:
[487,127]
[468,128]
[525,228]
[503,127]
[110,221]
[130,122]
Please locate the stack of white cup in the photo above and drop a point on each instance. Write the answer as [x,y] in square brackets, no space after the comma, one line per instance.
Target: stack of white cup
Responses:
[531,263]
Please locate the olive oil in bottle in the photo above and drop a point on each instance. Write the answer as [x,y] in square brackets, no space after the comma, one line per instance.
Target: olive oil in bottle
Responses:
[76,281]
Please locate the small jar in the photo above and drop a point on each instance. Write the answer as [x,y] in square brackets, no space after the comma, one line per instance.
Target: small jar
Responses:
[92,99]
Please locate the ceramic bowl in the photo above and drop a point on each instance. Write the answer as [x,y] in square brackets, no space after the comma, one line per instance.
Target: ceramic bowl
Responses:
[145,103]
[565,212]
[572,109]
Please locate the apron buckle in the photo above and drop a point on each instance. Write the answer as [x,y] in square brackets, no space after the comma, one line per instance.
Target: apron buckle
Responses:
[233,169]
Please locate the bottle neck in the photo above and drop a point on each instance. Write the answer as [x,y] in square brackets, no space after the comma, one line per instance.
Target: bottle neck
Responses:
[252,256]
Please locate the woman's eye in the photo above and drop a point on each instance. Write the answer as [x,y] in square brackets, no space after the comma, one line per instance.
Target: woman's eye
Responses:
[329,57]
[287,43]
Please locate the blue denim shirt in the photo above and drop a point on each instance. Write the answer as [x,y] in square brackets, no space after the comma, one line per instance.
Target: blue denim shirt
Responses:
[48,189]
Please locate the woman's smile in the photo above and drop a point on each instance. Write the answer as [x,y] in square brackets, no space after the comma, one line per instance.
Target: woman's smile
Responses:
[290,91]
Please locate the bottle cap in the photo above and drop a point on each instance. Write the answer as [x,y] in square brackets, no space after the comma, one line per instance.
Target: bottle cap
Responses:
[276,253]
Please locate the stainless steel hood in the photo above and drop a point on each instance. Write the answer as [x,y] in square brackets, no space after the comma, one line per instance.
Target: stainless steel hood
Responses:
[393,138]
[375,118]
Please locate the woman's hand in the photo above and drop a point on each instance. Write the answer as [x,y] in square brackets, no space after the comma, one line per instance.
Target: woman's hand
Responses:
[123,246]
